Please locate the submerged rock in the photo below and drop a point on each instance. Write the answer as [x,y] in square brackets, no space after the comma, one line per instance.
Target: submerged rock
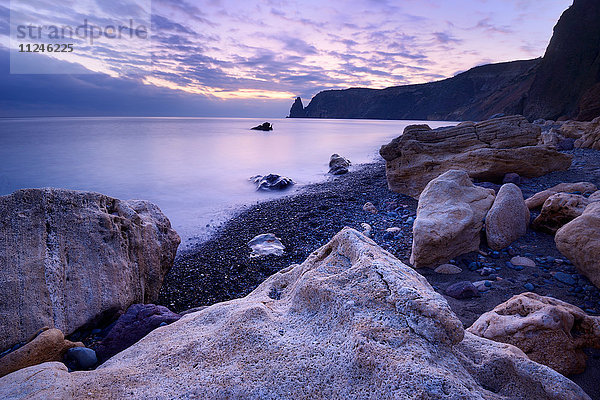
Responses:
[351,322]
[272,182]
[266,244]
[69,257]
[486,150]
[338,165]
[549,331]
[449,219]
[265,126]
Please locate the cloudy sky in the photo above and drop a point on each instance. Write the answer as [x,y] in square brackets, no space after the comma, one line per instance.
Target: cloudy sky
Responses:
[251,58]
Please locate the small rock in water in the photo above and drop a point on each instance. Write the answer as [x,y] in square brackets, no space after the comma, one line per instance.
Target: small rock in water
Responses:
[448,269]
[369,207]
[523,261]
[265,126]
[462,290]
[272,182]
[266,244]
[80,358]
[338,165]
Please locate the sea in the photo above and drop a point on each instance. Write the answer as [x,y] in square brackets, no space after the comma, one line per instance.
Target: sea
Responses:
[196,170]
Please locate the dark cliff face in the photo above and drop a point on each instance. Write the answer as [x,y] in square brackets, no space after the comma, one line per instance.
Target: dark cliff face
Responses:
[297,110]
[566,83]
[476,94]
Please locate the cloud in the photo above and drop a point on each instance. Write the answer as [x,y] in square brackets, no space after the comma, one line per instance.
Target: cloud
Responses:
[445,38]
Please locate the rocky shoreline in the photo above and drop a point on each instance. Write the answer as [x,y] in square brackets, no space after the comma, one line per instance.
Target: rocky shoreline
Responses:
[221,268]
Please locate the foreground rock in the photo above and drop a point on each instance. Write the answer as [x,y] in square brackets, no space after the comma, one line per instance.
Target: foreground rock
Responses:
[272,182]
[579,241]
[49,345]
[549,331]
[351,322]
[137,322]
[449,219]
[538,199]
[487,150]
[338,165]
[508,218]
[558,210]
[68,257]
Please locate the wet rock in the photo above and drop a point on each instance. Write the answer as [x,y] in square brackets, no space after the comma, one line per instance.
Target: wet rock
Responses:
[266,244]
[137,322]
[508,218]
[549,331]
[265,126]
[449,219]
[348,322]
[338,165]
[272,182]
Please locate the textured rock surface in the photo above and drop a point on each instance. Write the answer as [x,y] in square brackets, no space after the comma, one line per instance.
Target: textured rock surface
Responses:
[508,218]
[538,199]
[559,209]
[487,150]
[137,322]
[351,322]
[579,241]
[549,331]
[590,139]
[449,219]
[49,345]
[338,165]
[67,257]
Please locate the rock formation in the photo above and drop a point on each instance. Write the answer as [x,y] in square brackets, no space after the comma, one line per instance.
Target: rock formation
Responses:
[351,322]
[549,331]
[508,218]
[449,219]
[538,199]
[68,257]
[297,110]
[579,241]
[487,150]
[559,209]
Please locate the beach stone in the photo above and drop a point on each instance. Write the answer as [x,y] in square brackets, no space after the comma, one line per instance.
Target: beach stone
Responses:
[449,219]
[522,261]
[564,278]
[448,269]
[80,358]
[49,345]
[266,244]
[137,322]
[352,322]
[579,241]
[538,199]
[70,257]
[486,150]
[394,229]
[338,165]
[559,209]
[508,218]
[549,331]
[462,290]
[369,207]
[272,182]
[482,286]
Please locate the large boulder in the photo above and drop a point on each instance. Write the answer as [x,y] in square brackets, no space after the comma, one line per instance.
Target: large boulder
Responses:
[49,345]
[559,209]
[351,322]
[487,150]
[538,199]
[68,257]
[579,241]
[508,218]
[591,135]
[449,219]
[549,331]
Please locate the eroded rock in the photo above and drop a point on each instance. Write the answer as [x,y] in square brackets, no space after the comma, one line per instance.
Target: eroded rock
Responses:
[350,322]
[508,218]
[558,210]
[538,199]
[449,219]
[549,331]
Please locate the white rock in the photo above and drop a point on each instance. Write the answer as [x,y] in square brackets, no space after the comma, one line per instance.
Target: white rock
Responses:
[266,244]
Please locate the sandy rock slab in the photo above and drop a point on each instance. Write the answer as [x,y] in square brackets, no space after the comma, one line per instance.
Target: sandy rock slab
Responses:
[449,219]
[351,322]
[549,331]
[68,257]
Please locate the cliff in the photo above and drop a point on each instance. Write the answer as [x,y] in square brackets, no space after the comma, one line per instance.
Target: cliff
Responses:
[565,83]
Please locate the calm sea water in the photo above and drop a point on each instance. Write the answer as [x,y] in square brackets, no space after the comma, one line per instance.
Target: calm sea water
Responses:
[195,169]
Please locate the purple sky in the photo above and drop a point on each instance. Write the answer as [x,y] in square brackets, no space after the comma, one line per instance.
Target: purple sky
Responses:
[244,58]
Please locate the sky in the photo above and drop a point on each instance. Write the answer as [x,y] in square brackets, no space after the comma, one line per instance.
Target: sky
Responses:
[248,58]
